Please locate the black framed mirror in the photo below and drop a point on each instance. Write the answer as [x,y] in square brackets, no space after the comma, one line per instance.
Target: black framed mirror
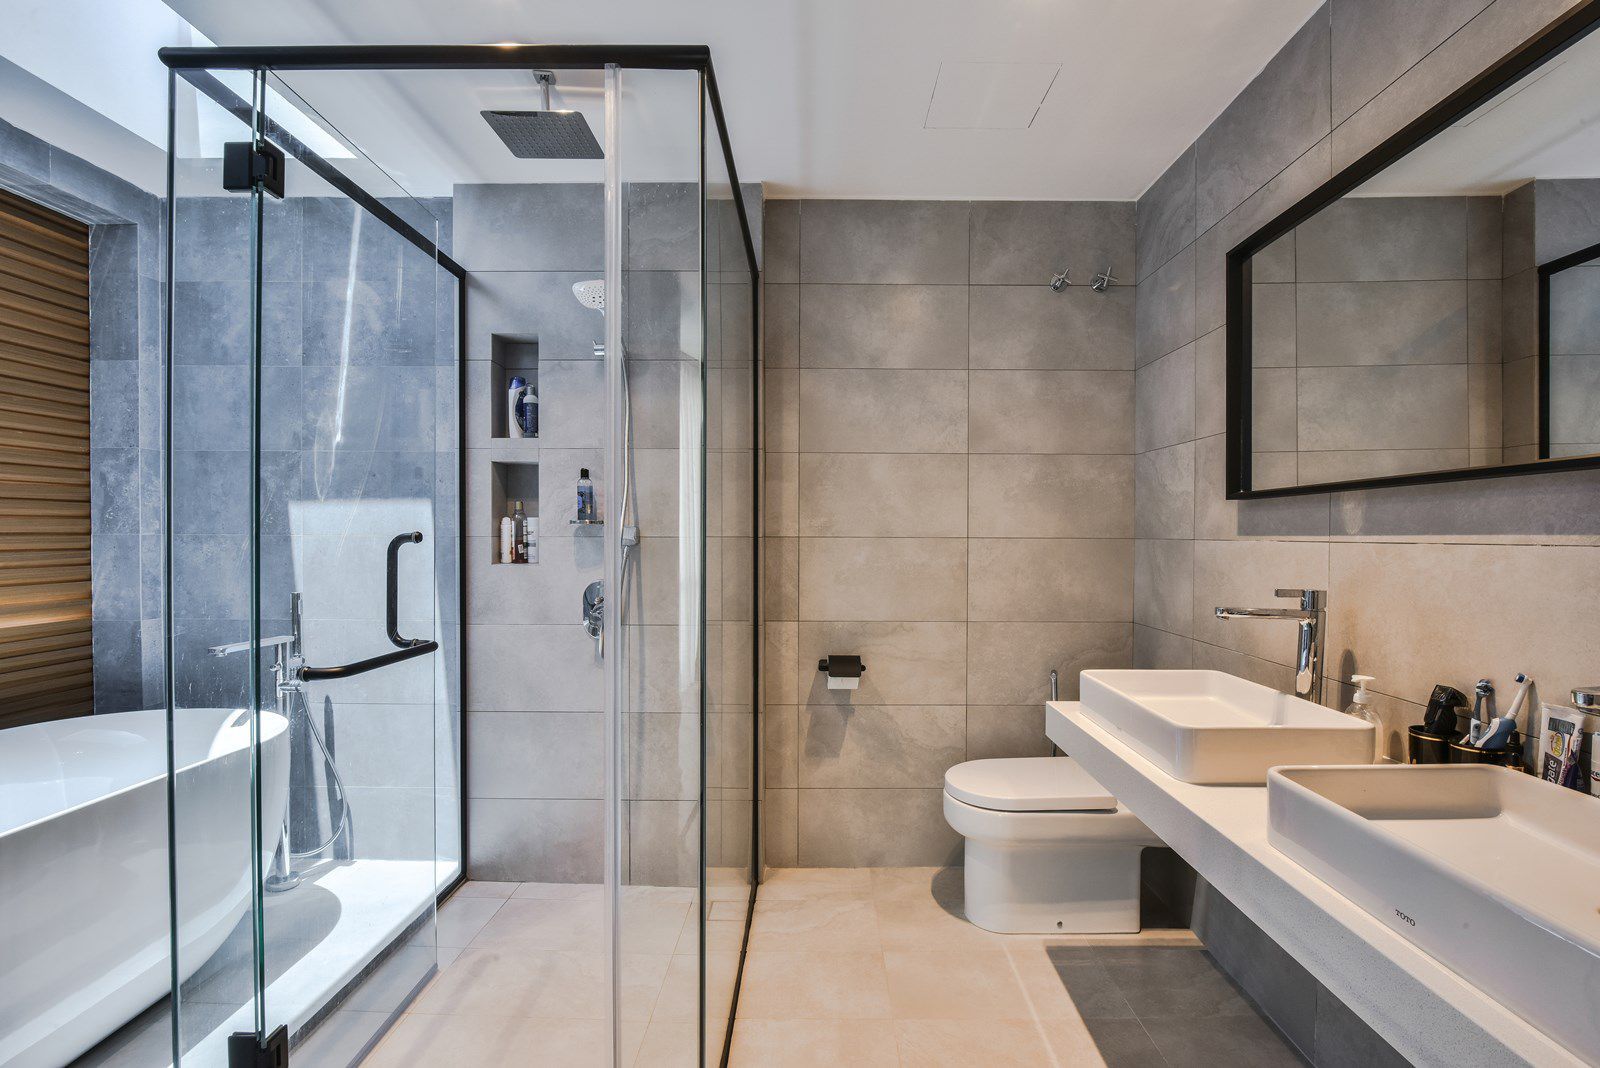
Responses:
[1432,312]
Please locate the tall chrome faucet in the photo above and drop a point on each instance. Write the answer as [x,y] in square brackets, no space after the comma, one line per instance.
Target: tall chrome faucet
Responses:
[1312,615]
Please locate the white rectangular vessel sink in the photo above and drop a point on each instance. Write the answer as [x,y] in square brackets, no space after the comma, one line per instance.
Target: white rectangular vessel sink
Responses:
[1215,729]
[1492,872]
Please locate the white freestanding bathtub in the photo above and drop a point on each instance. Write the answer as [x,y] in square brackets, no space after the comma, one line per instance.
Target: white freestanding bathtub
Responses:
[84,905]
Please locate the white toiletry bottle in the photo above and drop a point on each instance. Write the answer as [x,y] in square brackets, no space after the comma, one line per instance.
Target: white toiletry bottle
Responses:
[514,393]
[1361,707]
[508,549]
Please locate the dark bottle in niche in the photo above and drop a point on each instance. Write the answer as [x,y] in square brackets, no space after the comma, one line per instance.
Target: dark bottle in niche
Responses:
[586,512]
[519,533]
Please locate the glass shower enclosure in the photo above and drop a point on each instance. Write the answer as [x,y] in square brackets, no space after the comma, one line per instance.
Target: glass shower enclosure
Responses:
[408,305]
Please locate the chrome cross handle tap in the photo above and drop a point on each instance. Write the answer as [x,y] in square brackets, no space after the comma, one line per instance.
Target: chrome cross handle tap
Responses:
[1312,615]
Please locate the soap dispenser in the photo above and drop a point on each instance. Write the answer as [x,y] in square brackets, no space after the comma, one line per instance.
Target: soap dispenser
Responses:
[1361,707]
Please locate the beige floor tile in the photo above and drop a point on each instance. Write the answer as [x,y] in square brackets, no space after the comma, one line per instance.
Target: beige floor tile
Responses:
[783,985]
[808,882]
[531,924]
[681,991]
[651,923]
[1041,983]
[550,891]
[1072,1045]
[545,985]
[460,920]
[476,888]
[670,1044]
[914,923]
[954,985]
[965,1043]
[812,1043]
[467,1040]
[828,924]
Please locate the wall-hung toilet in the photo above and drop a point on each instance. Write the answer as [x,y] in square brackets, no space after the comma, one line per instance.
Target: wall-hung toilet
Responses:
[1048,849]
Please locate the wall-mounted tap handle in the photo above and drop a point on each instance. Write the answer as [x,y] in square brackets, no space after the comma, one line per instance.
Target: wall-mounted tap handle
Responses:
[1309,599]
[1055,685]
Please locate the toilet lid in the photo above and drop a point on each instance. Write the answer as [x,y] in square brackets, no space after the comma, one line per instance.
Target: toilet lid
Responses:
[1027,784]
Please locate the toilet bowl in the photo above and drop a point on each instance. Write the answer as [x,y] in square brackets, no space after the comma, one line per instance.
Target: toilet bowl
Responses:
[1048,849]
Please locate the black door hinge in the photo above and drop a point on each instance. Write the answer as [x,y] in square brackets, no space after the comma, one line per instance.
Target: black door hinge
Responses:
[243,166]
[245,1052]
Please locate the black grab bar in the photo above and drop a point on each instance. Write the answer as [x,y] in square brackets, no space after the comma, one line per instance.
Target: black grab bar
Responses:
[406,648]
[393,599]
[361,667]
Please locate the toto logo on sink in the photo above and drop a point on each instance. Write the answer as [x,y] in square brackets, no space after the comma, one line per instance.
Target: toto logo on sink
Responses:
[1409,921]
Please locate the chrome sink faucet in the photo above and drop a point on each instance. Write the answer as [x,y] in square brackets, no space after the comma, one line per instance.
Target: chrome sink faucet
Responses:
[1312,615]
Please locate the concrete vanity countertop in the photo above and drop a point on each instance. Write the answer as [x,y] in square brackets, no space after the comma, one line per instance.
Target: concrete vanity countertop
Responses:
[1424,1010]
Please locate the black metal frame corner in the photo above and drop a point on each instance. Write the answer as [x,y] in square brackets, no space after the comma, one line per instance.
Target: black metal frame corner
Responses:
[1555,38]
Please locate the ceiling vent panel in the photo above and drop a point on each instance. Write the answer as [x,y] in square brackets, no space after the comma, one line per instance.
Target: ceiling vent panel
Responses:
[988,96]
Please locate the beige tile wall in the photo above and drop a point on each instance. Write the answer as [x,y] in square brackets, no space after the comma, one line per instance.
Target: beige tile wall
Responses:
[1434,584]
[949,494]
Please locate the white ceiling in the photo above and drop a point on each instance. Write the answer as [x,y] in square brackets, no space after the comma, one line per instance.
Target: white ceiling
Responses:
[824,97]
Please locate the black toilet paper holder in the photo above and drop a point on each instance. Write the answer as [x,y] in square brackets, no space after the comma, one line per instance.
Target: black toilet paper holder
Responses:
[841,666]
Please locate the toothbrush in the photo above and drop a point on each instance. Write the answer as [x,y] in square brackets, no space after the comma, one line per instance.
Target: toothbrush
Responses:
[1497,733]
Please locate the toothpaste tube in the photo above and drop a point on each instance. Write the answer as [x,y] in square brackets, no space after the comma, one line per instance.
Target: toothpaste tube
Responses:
[1560,745]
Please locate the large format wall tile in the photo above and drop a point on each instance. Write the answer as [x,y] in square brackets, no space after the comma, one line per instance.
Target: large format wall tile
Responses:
[1349,323]
[883,579]
[883,241]
[890,465]
[883,326]
[874,828]
[1280,114]
[1021,243]
[907,663]
[1052,411]
[883,495]
[1037,327]
[1371,239]
[1010,663]
[1049,496]
[879,745]
[1374,42]
[1165,220]
[1050,579]
[883,411]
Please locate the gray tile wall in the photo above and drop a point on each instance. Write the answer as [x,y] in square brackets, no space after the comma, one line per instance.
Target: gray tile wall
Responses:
[1376,341]
[1445,583]
[949,493]
[125,382]
[535,694]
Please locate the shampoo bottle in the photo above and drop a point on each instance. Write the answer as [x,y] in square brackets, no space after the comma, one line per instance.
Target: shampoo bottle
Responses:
[514,401]
[586,512]
[508,550]
[1361,707]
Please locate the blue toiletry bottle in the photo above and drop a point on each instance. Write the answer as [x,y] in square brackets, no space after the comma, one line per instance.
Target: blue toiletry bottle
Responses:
[586,513]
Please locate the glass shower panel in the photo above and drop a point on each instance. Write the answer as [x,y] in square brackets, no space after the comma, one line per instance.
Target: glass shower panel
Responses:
[662,544]
[730,592]
[341,409]
[359,560]
[223,741]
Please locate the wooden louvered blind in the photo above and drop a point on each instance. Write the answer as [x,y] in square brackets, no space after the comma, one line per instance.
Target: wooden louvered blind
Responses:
[46,666]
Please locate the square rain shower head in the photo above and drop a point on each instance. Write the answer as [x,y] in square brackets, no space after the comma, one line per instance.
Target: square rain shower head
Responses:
[545,134]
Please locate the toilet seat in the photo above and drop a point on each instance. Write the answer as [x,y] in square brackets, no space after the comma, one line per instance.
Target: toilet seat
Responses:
[1028,784]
